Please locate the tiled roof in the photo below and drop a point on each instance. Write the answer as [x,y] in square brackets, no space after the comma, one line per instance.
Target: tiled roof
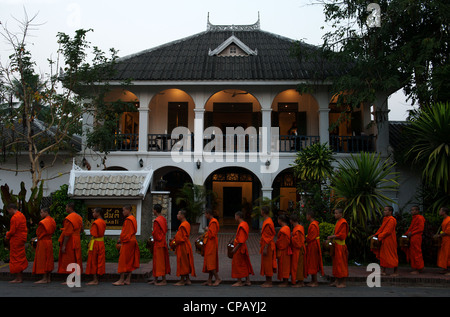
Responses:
[188,60]
[105,184]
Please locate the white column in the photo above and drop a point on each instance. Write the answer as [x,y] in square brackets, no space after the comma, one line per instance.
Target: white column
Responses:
[198,144]
[323,99]
[144,101]
[382,123]
[266,124]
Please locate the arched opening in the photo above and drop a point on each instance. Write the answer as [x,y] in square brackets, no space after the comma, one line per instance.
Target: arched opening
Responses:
[127,130]
[349,130]
[171,179]
[236,189]
[297,118]
[230,109]
[169,109]
[285,186]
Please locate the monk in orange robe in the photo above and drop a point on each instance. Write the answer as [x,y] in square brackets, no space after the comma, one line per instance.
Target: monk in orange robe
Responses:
[211,250]
[313,257]
[96,249]
[340,254]
[43,256]
[69,240]
[183,250]
[267,247]
[443,258]
[387,253]
[414,233]
[298,252]
[129,255]
[17,236]
[240,264]
[284,251]
[161,263]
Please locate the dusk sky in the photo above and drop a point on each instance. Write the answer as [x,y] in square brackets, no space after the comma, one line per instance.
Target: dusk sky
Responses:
[132,26]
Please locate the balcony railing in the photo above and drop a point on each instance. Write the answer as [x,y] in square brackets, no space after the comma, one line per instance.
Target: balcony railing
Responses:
[295,143]
[242,143]
[125,142]
[165,142]
[237,143]
[352,144]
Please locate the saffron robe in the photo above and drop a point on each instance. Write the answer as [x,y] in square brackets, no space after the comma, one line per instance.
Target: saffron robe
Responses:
[72,226]
[298,252]
[161,263]
[211,247]
[414,250]
[340,256]
[96,249]
[284,252]
[268,261]
[129,256]
[17,236]
[387,253]
[185,256]
[313,256]
[43,256]
[240,264]
[443,259]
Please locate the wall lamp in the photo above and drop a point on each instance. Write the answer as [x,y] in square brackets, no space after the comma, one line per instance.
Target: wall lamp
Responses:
[141,163]
[199,164]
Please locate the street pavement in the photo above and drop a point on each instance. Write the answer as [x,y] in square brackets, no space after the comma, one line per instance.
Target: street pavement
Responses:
[358,275]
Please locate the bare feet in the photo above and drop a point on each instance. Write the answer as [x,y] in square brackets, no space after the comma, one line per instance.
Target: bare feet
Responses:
[217,282]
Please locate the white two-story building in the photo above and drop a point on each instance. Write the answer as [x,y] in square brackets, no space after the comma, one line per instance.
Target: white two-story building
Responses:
[192,96]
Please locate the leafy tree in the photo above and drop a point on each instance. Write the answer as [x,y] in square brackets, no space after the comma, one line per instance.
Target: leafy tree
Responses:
[65,95]
[407,49]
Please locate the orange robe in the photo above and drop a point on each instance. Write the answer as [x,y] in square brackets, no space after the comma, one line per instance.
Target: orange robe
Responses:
[43,257]
[129,256]
[414,251]
[161,263]
[268,261]
[443,259]
[340,257]
[72,226]
[298,252]
[17,236]
[284,252]
[185,256]
[387,253]
[211,256]
[240,264]
[96,249]
[313,256]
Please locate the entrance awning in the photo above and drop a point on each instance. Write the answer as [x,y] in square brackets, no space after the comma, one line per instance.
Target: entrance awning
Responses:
[109,184]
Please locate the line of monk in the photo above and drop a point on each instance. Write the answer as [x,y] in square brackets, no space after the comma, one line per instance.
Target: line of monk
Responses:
[293,256]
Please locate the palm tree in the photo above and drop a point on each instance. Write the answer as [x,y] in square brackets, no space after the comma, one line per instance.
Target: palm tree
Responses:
[429,132]
[360,185]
